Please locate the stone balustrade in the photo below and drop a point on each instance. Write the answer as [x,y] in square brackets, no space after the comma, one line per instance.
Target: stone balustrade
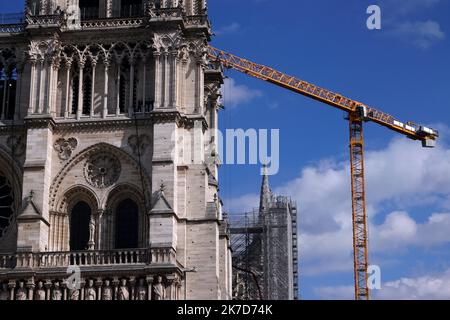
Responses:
[45,20]
[150,286]
[160,256]
[12,28]
[112,23]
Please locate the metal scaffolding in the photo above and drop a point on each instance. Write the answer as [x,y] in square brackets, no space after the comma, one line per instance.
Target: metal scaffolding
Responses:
[264,244]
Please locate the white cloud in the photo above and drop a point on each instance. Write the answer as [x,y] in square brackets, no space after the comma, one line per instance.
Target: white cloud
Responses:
[421,33]
[235,94]
[335,293]
[410,22]
[401,7]
[245,203]
[400,177]
[425,287]
[231,28]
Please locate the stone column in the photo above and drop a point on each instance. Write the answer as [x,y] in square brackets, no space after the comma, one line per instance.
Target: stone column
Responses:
[170,289]
[17,110]
[158,80]
[82,285]
[80,90]
[174,80]
[99,235]
[131,102]
[64,290]
[31,107]
[166,81]
[52,86]
[48,286]
[200,85]
[11,286]
[5,88]
[68,105]
[99,284]
[150,287]
[184,62]
[106,88]
[132,285]
[144,84]
[41,97]
[118,87]
[94,65]
[115,284]
[30,287]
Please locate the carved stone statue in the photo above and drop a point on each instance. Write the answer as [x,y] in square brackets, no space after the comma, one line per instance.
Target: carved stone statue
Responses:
[40,292]
[158,289]
[124,293]
[107,292]
[74,294]
[21,293]
[56,293]
[141,290]
[4,293]
[91,233]
[90,293]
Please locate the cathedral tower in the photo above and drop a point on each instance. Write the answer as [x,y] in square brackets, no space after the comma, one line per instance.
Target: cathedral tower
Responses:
[107,152]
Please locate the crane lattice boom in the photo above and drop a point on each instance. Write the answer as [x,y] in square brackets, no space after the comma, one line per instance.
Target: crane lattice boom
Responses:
[358,113]
[336,100]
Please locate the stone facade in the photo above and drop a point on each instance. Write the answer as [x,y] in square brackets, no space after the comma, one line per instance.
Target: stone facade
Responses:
[108,118]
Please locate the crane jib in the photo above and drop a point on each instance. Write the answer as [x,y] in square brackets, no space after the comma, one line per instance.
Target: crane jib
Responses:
[411,130]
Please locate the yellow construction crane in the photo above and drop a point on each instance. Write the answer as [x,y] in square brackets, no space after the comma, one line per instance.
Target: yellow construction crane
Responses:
[357,114]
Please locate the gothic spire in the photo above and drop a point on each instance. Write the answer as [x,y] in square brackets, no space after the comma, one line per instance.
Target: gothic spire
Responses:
[265,195]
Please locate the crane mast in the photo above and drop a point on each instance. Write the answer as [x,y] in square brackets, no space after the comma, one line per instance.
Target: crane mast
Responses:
[358,113]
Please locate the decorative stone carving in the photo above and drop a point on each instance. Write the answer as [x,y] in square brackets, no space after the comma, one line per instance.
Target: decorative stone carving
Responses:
[124,293]
[40,291]
[107,293]
[102,170]
[90,293]
[91,243]
[4,293]
[65,147]
[139,145]
[56,293]
[17,145]
[21,292]
[158,289]
[74,294]
[141,290]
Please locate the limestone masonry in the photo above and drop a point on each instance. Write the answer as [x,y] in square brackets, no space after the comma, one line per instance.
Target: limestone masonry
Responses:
[101,165]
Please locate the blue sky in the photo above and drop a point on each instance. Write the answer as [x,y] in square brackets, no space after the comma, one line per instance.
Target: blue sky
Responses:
[402,69]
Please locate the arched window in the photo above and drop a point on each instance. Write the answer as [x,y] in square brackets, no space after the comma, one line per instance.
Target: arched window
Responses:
[6,204]
[34,7]
[131,8]
[75,87]
[89,9]
[127,225]
[79,226]
[87,89]
[8,84]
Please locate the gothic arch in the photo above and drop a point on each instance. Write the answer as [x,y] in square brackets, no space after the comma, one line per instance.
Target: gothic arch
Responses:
[55,189]
[13,175]
[60,219]
[118,195]
[76,194]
